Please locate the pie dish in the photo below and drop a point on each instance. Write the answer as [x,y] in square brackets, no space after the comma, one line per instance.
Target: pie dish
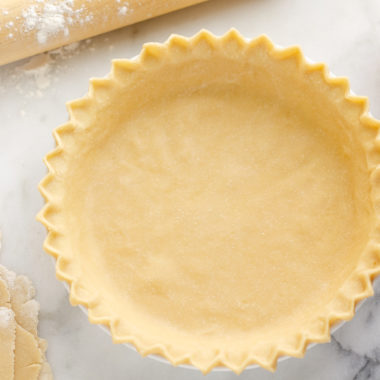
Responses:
[215,201]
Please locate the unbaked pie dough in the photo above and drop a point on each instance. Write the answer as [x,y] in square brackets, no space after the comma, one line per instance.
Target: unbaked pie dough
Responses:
[22,353]
[7,336]
[213,201]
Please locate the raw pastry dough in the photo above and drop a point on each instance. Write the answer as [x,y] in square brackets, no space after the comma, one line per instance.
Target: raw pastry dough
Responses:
[25,307]
[211,201]
[26,310]
[4,294]
[28,357]
[7,334]
[7,343]
[30,360]
[46,371]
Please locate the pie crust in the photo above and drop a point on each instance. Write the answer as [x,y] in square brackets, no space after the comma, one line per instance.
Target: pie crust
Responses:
[215,201]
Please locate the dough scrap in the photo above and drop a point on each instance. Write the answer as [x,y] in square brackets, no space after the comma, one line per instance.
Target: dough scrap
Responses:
[46,372]
[21,292]
[4,294]
[7,334]
[7,343]
[30,359]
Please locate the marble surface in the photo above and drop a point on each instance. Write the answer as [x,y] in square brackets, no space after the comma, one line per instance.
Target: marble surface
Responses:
[343,33]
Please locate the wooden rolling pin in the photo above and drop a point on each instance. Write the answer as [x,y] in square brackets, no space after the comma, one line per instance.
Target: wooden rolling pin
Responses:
[29,27]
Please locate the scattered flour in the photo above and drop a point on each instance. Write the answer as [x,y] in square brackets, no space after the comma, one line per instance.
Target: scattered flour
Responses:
[49,18]
[123,10]
[33,76]
[52,18]
[6,317]
[40,70]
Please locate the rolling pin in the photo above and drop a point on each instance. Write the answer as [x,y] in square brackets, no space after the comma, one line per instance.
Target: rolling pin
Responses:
[29,27]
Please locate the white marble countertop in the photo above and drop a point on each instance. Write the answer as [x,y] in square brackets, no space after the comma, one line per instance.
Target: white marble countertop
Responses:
[343,33]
